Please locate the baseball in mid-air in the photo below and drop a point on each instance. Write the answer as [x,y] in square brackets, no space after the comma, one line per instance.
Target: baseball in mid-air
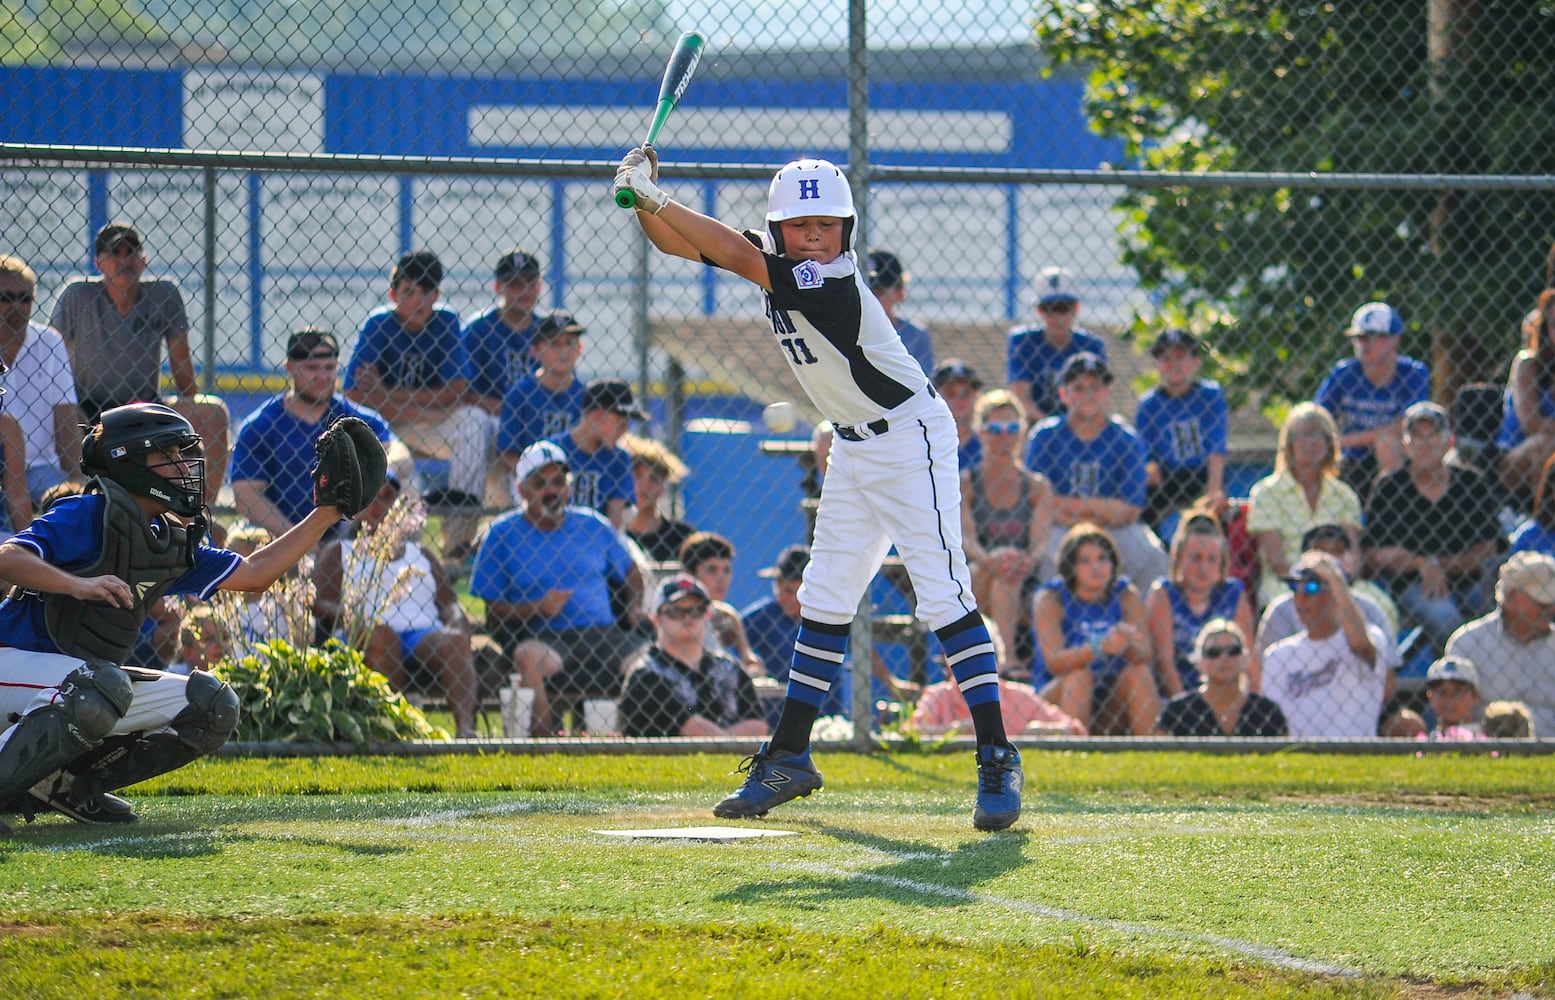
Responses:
[780,417]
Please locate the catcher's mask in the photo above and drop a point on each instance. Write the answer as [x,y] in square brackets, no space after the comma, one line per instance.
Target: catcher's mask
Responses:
[131,445]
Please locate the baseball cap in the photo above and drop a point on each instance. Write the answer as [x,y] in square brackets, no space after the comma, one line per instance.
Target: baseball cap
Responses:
[114,233]
[885,270]
[1453,668]
[1531,572]
[1174,336]
[517,263]
[311,342]
[1375,318]
[680,588]
[790,564]
[1328,531]
[955,368]
[419,267]
[1084,363]
[537,456]
[557,323]
[611,394]
[1054,284]
[1427,410]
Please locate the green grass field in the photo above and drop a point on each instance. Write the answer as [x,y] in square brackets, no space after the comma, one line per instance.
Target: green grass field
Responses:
[1130,874]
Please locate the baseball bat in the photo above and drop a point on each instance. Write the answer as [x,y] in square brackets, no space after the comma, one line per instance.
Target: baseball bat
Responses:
[677,75]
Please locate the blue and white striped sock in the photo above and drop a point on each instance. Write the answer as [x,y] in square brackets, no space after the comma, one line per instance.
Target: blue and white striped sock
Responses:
[818,654]
[969,651]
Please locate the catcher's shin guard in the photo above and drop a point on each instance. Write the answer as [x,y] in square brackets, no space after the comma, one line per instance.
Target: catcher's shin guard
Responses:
[203,726]
[91,702]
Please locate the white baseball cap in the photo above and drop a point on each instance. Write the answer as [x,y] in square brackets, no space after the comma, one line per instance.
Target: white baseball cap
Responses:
[537,456]
[1453,668]
[1375,318]
[1533,573]
[1054,284]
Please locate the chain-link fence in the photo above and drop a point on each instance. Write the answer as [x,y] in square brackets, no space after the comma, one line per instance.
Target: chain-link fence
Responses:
[427,189]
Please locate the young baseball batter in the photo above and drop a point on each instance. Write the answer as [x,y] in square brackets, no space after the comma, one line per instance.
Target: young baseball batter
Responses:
[893,476]
[84,573]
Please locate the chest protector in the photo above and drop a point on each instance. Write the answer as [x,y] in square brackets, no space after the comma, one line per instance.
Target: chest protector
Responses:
[148,561]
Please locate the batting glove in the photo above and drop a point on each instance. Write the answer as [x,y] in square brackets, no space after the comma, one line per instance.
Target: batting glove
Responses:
[638,179]
[644,154]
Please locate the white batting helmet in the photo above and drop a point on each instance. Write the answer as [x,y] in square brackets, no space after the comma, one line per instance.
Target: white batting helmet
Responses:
[810,187]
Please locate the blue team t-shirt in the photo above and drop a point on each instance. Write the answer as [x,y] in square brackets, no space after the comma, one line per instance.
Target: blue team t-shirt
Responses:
[426,360]
[531,412]
[1183,432]
[1084,621]
[1512,433]
[519,562]
[1533,536]
[600,477]
[1358,405]
[1110,465]
[1030,358]
[772,634]
[70,535]
[277,447]
[916,339]
[497,355]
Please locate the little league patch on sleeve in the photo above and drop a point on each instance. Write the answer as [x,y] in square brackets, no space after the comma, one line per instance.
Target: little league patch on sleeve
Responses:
[807,274]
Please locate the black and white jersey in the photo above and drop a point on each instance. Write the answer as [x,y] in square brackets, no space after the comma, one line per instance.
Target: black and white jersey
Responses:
[838,340]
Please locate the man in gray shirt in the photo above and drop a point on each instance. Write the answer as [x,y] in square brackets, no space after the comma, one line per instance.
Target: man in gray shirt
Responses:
[1514,646]
[114,328]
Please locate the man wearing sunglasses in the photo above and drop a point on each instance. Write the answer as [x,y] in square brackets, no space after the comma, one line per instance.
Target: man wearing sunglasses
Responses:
[115,326]
[40,390]
[1037,353]
[1328,679]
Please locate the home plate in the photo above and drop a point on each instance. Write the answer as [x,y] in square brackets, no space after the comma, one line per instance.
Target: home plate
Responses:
[718,833]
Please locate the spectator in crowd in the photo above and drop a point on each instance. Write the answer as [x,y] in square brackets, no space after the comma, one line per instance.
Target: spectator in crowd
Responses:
[1090,626]
[1536,533]
[545,572]
[1368,394]
[708,558]
[1036,354]
[942,709]
[403,597]
[114,328]
[274,450]
[1527,437]
[601,468]
[17,511]
[547,401]
[888,281]
[1196,590]
[1432,529]
[496,342]
[1513,646]
[655,467]
[40,389]
[958,383]
[409,365]
[1280,620]
[676,687]
[1508,720]
[203,641]
[1303,491]
[1452,689]
[1096,463]
[1329,679]
[1219,703]
[1183,420]
[1006,518]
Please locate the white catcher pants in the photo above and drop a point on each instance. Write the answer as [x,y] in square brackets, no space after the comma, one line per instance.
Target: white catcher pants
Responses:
[30,681]
[901,487]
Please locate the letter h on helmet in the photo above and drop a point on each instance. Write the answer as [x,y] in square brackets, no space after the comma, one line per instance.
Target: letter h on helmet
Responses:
[810,187]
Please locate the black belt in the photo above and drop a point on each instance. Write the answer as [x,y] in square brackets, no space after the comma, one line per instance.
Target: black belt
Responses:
[875,428]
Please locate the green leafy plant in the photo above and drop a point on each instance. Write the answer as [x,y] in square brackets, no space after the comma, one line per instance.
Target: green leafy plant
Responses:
[323,695]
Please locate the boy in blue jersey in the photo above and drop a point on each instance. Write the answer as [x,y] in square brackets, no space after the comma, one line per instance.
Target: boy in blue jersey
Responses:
[496,342]
[601,468]
[544,403]
[545,571]
[1096,463]
[84,573]
[888,280]
[892,475]
[1368,394]
[1036,353]
[275,445]
[1183,421]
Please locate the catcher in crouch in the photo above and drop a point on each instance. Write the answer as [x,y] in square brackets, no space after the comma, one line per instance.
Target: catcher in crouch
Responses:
[81,725]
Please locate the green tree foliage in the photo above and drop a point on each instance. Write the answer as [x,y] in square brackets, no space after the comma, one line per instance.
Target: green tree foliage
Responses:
[98,23]
[23,42]
[1271,276]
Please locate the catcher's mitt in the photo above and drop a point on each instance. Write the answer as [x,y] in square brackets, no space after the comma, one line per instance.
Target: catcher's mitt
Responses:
[351,466]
